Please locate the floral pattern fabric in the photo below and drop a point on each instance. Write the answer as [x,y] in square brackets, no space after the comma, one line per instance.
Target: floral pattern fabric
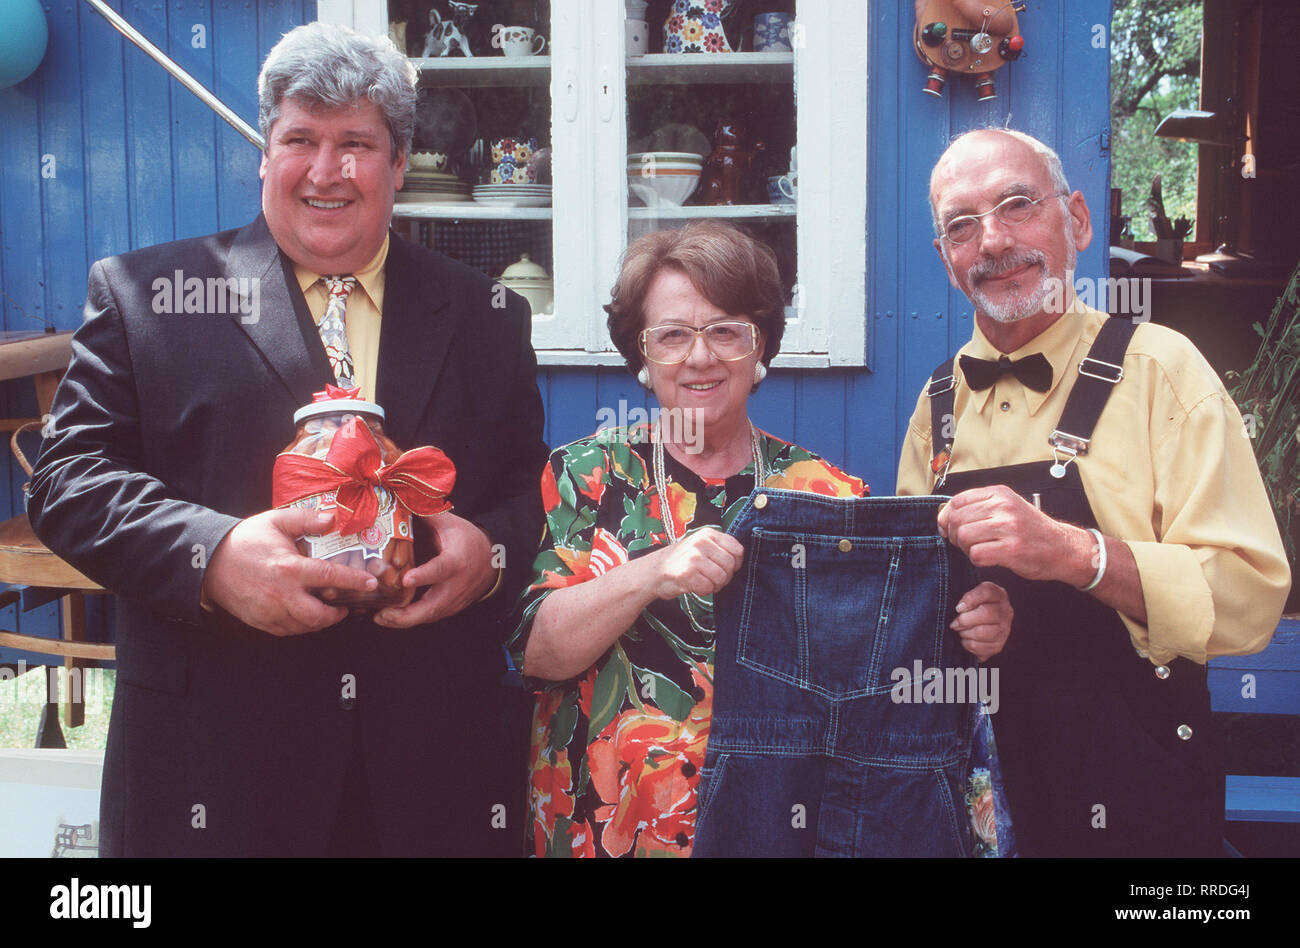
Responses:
[615,754]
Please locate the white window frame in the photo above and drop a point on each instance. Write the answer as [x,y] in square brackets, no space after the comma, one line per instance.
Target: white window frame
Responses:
[827,325]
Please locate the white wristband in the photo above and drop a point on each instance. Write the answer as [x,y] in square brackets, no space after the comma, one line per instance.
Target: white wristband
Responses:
[1101,561]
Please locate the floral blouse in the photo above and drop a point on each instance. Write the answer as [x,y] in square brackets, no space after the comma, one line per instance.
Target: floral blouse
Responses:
[615,754]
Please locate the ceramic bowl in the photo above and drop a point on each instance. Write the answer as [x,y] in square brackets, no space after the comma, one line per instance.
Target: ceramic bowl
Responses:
[670,186]
[427,161]
[639,158]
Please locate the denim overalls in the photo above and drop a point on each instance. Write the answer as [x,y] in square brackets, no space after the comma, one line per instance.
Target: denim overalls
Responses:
[811,751]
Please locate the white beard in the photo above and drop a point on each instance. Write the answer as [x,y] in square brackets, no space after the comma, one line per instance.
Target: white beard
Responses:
[1024,300]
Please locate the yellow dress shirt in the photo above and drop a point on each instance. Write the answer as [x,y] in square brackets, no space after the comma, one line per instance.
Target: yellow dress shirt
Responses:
[361,319]
[1169,471]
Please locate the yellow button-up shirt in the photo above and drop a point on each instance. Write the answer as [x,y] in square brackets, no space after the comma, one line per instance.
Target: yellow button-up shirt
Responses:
[1169,471]
[361,319]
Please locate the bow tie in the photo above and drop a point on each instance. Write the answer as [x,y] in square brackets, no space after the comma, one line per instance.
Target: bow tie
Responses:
[1033,371]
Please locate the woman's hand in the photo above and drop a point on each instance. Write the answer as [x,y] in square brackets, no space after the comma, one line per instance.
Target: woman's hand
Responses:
[577,624]
[983,620]
[702,563]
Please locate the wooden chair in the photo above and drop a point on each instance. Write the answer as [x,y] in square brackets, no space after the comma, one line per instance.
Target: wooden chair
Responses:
[26,564]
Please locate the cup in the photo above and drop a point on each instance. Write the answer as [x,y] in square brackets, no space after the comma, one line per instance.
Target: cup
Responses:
[772,33]
[519,41]
[638,37]
[782,189]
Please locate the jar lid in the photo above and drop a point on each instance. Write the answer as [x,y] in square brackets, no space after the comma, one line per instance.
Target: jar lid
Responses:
[525,269]
[335,405]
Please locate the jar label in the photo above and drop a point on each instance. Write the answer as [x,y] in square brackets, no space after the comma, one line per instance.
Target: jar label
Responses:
[391,521]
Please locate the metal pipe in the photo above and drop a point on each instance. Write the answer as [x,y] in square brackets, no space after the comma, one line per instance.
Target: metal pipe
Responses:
[181,76]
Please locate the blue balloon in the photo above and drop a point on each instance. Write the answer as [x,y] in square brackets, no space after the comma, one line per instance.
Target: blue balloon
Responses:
[23,35]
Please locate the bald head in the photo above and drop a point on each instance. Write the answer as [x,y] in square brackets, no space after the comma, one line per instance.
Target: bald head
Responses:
[990,142]
[1008,266]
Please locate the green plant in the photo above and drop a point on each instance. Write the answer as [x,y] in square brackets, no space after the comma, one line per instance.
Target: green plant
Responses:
[1268,394]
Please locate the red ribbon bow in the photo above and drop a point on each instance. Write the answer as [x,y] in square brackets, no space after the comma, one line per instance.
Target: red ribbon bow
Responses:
[420,479]
[333,392]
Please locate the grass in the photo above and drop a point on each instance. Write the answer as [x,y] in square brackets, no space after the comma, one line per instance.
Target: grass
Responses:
[22,699]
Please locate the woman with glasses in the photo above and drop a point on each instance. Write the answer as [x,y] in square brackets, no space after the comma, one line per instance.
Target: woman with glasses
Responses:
[617,628]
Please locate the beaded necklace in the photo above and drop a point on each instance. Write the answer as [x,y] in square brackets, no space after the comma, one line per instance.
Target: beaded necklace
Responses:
[661,489]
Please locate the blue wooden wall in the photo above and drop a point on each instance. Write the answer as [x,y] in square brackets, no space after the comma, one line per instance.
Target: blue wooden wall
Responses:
[139,160]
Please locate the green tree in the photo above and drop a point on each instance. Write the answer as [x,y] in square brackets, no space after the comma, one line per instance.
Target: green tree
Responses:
[1155,65]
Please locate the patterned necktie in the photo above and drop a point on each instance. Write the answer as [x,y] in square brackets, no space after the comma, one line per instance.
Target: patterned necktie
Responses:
[333,328]
[1033,371]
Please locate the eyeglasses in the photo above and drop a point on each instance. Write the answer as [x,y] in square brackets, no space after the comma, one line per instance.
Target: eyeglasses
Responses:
[1014,210]
[670,344]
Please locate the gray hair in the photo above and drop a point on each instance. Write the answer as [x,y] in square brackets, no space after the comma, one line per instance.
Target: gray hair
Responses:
[332,66]
[1050,158]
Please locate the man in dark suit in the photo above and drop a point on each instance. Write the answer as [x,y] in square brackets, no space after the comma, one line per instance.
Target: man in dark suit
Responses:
[251,717]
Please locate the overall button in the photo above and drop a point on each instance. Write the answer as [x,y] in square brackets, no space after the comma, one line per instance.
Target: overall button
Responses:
[760,501]
[1162,672]
[845,546]
[1184,732]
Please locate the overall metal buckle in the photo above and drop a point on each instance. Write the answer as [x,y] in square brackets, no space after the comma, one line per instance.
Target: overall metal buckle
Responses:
[1065,444]
[932,389]
[1116,371]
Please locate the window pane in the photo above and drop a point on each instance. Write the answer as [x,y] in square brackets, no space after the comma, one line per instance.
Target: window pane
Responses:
[1155,69]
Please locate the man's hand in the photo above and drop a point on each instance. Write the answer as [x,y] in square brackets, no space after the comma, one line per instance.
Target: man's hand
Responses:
[983,620]
[995,526]
[258,576]
[702,563]
[457,576]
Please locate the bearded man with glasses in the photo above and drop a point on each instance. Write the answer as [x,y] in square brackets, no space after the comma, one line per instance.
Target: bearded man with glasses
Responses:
[1100,472]
[622,589]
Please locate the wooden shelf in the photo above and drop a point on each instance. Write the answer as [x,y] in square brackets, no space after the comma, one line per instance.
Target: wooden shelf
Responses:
[687,68]
[651,69]
[721,211]
[484,71]
[471,211]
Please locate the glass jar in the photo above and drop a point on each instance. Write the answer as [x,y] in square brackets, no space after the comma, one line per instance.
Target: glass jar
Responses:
[385,549]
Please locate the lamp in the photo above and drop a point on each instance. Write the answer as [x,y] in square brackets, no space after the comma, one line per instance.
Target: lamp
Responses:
[1216,129]
[1190,125]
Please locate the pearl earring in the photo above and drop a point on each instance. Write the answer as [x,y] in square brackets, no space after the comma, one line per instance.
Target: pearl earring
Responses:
[644,377]
[760,373]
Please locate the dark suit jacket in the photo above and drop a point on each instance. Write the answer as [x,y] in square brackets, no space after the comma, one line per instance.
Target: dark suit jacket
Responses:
[226,740]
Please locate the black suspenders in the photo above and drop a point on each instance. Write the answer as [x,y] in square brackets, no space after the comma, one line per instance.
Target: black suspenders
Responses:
[1099,371]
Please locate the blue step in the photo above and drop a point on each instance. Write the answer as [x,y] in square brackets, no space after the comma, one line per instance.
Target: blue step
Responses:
[1263,799]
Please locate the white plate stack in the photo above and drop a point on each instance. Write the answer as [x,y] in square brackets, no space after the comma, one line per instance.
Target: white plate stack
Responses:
[433,187]
[513,195]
